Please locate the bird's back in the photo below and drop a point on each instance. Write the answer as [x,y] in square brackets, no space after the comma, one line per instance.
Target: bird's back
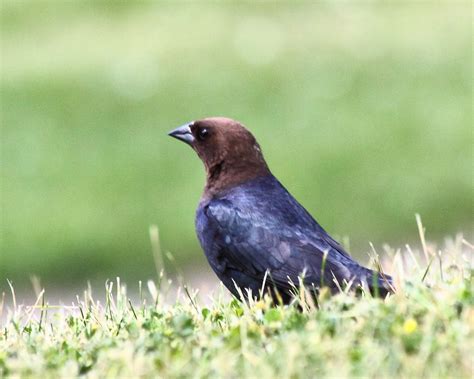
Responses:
[258,227]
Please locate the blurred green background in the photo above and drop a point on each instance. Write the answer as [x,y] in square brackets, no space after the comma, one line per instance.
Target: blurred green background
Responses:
[363,111]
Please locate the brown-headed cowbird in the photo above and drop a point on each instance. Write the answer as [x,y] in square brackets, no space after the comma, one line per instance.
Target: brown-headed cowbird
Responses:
[254,233]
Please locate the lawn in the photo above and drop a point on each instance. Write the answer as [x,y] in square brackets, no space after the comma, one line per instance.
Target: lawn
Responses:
[425,330]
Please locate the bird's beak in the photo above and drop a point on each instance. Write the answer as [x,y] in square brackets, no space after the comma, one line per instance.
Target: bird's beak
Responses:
[183,133]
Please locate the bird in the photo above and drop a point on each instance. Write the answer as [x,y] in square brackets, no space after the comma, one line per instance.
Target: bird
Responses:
[256,236]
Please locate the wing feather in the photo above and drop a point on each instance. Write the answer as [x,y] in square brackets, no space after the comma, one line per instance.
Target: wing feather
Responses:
[252,242]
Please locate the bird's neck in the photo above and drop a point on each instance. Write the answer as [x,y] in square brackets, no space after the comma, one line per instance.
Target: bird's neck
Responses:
[224,175]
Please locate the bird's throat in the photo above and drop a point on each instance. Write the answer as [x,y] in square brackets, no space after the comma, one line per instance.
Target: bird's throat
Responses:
[223,175]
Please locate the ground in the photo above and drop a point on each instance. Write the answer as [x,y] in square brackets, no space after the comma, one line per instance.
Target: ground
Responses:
[424,330]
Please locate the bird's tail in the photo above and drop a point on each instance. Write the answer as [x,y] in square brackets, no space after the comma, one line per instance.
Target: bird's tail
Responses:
[379,284]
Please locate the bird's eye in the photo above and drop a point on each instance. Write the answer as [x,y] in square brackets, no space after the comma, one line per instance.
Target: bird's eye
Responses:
[203,133]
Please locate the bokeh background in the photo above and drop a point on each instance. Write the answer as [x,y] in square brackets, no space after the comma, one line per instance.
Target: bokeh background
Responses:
[363,110]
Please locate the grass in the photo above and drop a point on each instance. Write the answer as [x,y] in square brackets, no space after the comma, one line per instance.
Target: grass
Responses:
[424,330]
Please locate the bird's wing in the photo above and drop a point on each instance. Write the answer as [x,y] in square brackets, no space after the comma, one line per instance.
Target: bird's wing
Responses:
[253,241]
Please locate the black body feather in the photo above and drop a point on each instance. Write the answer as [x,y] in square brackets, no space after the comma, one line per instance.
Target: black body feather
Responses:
[257,226]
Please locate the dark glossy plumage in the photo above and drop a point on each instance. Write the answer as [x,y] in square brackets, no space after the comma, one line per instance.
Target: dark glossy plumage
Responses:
[258,226]
[248,224]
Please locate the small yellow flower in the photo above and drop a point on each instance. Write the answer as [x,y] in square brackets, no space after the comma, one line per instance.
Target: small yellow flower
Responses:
[324,293]
[253,327]
[409,326]
[260,305]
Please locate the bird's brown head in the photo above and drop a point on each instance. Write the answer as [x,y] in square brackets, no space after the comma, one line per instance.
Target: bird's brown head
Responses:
[230,153]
